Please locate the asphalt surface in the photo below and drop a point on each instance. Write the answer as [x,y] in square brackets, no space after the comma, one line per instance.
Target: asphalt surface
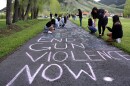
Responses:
[68,57]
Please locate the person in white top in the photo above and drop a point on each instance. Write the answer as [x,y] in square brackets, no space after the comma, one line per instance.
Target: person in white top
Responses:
[57,22]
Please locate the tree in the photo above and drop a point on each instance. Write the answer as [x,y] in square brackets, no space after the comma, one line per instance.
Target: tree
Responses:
[127,9]
[8,12]
[54,6]
[37,5]
[22,7]
[28,9]
[16,10]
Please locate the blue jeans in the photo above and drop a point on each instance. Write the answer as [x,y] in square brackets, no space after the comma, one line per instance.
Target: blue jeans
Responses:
[92,29]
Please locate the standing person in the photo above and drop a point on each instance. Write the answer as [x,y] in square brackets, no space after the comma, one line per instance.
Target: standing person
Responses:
[56,15]
[65,19]
[102,19]
[80,16]
[116,32]
[50,15]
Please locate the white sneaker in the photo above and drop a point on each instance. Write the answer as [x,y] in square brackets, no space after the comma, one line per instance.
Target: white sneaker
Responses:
[118,40]
[49,32]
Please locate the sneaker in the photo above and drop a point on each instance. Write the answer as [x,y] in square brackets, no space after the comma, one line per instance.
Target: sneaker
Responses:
[99,36]
[118,40]
[49,32]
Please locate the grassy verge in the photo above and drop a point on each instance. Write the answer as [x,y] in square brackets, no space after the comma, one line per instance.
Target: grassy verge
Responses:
[28,29]
[2,23]
[125,44]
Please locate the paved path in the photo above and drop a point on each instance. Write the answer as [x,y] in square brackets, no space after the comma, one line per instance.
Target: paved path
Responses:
[68,57]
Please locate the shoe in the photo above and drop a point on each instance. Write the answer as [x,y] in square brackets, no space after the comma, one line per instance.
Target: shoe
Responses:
[49,32]
[99,36]
[102,34]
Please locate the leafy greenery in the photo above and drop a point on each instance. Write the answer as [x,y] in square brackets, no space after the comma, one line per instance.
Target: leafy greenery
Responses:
[71,6]
[110,2]
[54,6]
[127,9]
[13,41]
[126,33]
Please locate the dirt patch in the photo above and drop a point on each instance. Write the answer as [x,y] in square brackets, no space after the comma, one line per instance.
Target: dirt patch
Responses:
[10,29]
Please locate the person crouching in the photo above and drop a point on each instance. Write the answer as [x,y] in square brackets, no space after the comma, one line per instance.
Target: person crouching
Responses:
[116,33]
[49,28]
[91,26]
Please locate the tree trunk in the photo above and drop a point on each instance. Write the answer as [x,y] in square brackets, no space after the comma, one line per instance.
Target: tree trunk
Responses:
[16,10]
[22,13]
[19,13]
[32,13]
[27,10]
[8,12]
[36,13]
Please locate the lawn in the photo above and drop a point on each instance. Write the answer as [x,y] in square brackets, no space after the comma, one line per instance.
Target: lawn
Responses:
[2,23]
[125,44]
[14,38]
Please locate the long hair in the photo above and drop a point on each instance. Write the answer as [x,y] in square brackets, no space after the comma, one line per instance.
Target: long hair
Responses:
[53,21]
[116,19]
[90,22]
[93,11]
[79,10]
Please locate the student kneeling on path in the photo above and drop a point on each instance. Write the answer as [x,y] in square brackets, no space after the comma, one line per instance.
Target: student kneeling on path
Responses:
[57,23]
[49,28]
[91,26]
[116,32]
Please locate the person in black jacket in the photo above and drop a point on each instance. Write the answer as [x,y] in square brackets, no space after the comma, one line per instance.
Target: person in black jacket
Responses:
[49,26]
[116,32]
[80,16]
[103,20]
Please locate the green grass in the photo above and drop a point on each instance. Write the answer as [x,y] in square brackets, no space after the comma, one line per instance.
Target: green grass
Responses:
[125,44]
[2,23]
[30,28]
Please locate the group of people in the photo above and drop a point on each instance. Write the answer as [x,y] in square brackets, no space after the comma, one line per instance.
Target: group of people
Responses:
[55,23]
[116,32]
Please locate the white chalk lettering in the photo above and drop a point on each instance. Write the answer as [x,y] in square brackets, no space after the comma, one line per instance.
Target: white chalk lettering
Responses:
[110,54]
[30,78]
[37,58]
[81,45]
[73,57]
[43,48]
[70,39]
[65,57]
[89,57]
[102,54]
[48,78]
[56,40]
[124,56]
[60,48]
[49,57]
[92,76]
[42,39]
